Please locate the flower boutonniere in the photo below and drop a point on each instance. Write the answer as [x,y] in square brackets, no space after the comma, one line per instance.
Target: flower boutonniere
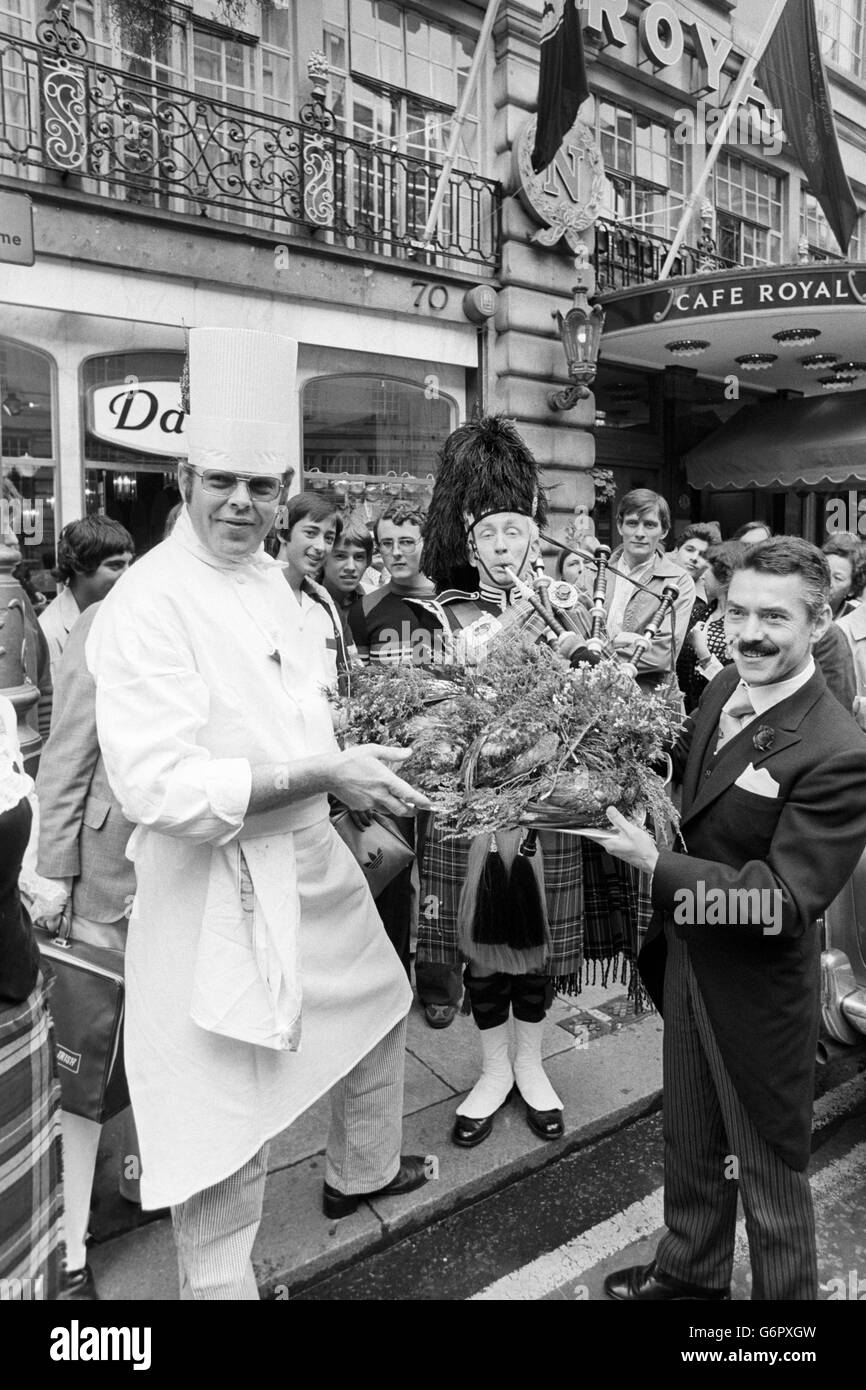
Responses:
[764,738]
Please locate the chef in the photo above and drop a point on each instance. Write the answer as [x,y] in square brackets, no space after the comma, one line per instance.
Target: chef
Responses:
[258,974]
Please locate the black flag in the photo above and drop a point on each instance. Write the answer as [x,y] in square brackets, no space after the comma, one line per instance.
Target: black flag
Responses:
[562,84]
[792,74]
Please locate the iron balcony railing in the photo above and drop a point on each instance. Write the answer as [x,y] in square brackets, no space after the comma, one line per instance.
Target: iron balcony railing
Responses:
[124,135]
[625,256]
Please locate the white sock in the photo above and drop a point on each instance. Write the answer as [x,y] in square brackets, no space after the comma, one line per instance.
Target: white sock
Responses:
[529,1074]
[80,1144]
[497,1078]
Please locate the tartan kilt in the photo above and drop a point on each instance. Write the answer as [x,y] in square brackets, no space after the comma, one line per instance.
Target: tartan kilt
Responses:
[598,908]
[31,1191]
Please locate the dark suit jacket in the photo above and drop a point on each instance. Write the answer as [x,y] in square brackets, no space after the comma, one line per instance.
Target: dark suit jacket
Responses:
[82,831]
[762,991]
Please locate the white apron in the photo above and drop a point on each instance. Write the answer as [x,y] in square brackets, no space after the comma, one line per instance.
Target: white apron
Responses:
[204,670]
[205,1104]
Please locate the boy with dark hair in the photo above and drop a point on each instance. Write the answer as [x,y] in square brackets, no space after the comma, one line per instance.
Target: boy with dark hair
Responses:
[308,526]
[345,563]
[92,554]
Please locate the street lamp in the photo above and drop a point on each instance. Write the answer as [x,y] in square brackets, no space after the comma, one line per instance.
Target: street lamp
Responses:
[580,331]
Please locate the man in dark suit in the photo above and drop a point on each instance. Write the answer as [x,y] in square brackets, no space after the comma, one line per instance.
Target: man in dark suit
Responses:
[773,772]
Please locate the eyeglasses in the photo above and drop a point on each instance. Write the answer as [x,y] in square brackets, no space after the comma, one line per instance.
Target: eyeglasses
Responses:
[404,543]
[260,486]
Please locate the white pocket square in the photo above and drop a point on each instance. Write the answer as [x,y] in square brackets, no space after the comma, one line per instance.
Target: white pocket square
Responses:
[757,780]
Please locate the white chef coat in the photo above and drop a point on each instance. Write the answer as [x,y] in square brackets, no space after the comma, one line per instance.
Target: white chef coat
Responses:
[204,669]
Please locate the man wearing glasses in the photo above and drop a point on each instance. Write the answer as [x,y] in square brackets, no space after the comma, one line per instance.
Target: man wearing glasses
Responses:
[397,622]
[258,975]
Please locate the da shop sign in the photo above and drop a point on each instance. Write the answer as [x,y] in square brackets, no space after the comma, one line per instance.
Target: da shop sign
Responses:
[144,415]
[739,293]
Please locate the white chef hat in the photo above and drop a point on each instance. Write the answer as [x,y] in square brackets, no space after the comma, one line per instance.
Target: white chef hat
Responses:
[241,400]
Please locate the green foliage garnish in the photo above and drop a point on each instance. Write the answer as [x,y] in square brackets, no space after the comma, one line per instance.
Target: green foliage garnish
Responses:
[522,734]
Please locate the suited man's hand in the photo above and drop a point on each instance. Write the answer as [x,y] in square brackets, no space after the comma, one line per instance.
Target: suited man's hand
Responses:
[627,841]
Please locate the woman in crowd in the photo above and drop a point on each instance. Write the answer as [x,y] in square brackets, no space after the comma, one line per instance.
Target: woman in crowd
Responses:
[706,641]
[31,1194]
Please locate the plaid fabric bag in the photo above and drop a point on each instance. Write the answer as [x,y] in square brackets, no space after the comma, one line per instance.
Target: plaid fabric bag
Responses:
[31,1192]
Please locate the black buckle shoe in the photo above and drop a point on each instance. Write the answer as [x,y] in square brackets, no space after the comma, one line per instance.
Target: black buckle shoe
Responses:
[78,1286]
[468,1132]
[643,1283]
[547,1124]
[412,1173]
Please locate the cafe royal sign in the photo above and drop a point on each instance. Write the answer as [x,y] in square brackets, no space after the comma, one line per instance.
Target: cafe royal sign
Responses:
[741,292]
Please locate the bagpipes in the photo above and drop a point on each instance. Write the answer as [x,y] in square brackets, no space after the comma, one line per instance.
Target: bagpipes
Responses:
[561,608]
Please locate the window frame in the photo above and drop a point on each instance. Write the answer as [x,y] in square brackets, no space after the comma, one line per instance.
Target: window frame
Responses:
[742,220]
[663,221]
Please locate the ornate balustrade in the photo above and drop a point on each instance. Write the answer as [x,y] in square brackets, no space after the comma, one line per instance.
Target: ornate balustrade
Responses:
[123,135]
[625,256]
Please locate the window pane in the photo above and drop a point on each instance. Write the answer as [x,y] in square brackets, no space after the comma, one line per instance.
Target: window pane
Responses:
[371,426]
[364,55]
[441,45]
[207,59]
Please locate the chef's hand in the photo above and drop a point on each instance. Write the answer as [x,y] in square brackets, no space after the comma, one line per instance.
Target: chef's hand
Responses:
[364,781]
[361,818]
[628,841]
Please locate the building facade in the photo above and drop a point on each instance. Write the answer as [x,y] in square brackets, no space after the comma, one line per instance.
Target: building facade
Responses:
[282,175]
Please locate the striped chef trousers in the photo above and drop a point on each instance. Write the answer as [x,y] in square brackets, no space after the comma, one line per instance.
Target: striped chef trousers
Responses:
[705,1126]
[215,1229]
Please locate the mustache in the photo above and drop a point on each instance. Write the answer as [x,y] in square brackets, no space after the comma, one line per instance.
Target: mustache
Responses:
[755,648]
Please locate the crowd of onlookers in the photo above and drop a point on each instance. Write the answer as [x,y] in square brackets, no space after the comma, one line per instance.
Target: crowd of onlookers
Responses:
[76,864]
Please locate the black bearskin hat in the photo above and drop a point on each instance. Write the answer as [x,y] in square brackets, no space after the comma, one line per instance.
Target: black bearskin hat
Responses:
[485,467]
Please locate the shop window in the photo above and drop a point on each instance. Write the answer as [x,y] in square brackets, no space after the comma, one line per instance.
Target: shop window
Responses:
[645,167]
[841,26]
[749,212]
[373,437]
[822,241]
[132,439]
[28,435]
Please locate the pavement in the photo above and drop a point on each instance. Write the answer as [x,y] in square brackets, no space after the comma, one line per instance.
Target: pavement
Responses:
[604,1061]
